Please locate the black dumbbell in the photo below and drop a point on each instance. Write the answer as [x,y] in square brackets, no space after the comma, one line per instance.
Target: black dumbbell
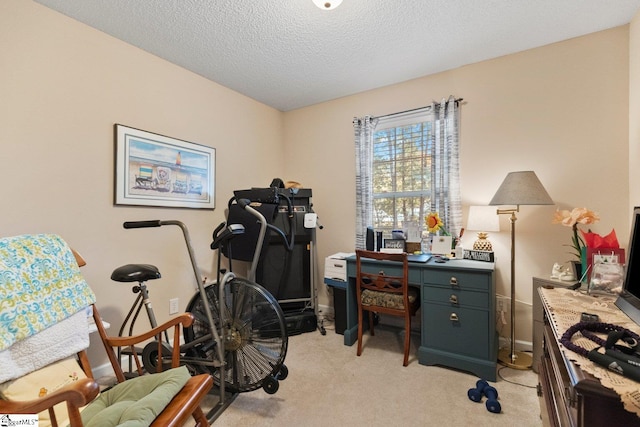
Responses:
[475,394]
[492,399]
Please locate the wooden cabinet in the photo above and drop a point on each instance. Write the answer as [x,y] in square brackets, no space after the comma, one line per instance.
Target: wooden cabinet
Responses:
[571,396]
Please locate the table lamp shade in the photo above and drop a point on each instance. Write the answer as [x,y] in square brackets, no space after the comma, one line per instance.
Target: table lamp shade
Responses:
[521,188]
[483,219]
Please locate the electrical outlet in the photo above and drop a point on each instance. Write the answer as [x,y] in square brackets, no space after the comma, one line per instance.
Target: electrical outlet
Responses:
[500,304]
[174,304]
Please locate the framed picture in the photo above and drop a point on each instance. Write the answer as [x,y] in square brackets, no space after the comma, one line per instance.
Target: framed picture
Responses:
[441,245]
[394,244]
[156,170]
[594,256]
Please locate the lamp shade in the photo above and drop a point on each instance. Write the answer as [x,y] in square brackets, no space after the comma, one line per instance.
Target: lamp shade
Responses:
[521,188]
[483,218]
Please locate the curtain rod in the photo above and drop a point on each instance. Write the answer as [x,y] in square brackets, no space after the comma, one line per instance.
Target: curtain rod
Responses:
[457,101]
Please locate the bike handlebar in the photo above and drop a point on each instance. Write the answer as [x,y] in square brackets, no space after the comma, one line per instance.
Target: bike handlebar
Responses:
[142,224]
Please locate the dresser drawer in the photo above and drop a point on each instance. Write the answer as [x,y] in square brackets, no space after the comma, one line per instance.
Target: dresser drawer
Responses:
[455,297]
[459,330]
[457,279]
[391,269]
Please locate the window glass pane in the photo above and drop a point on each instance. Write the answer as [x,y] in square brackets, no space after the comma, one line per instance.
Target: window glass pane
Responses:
[401,176]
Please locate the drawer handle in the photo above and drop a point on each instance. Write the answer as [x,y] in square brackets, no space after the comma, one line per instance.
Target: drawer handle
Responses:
[453,299]
[453,317]
[453,281]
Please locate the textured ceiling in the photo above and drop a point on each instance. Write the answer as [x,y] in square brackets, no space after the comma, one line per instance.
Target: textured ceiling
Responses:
[290,54]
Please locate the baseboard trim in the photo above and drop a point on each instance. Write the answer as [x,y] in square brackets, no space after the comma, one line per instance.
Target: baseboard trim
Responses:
[520,345]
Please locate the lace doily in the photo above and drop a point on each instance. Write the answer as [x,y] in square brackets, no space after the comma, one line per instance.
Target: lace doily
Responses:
[565,307]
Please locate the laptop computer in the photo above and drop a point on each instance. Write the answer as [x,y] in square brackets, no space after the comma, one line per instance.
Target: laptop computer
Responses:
[418,257]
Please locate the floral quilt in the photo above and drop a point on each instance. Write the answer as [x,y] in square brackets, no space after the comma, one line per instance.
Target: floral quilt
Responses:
[40,285]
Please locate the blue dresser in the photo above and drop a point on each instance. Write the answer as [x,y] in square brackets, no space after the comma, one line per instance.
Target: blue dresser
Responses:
[457,314]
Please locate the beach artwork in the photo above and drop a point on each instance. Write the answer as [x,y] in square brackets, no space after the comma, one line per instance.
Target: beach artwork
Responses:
[155,170]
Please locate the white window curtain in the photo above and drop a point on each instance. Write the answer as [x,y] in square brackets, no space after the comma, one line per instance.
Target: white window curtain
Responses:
[445,189]
[445,169]
[363,128]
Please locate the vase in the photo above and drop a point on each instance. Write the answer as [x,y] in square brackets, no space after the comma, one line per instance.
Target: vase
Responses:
[425,244]
[578,268]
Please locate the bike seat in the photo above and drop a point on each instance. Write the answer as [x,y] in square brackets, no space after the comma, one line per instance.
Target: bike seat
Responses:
[135,273]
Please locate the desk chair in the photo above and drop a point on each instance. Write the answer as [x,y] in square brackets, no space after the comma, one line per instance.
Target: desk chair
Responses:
[381,293]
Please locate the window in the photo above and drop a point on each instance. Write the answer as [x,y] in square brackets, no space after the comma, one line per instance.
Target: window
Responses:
[407,166]
[401,175]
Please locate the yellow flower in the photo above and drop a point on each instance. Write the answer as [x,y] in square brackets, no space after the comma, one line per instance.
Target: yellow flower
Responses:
[433,222]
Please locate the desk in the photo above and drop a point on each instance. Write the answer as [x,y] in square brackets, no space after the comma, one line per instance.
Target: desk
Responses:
[457,312]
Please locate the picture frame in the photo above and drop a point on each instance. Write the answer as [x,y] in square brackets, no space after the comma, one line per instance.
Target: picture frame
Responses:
[394,244]
[592,256]
[441,245]
[157,170]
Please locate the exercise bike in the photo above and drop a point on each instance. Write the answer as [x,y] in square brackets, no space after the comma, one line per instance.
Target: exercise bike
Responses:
[238,335]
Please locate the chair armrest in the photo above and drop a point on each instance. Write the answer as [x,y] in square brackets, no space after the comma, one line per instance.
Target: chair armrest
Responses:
[186,319]
[186,403]
[76,395]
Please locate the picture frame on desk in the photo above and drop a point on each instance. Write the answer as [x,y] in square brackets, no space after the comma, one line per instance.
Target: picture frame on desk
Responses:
[591,256]
[394,244]
[441,245]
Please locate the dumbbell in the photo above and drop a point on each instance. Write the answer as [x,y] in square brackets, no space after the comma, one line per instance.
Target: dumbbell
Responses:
[475,394]
[492,399]
[483,388]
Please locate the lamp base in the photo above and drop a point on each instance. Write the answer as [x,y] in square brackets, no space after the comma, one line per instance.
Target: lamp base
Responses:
[520,360]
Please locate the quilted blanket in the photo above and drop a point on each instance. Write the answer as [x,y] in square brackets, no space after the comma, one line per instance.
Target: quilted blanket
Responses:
[40,285]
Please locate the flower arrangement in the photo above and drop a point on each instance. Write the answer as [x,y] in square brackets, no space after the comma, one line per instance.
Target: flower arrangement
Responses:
[434,223]
[572,219]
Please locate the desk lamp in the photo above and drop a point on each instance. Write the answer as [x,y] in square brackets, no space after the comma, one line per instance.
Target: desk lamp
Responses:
[518,188]
[483,219]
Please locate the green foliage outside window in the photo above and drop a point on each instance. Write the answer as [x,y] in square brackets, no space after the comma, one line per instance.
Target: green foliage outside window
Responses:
[401,176]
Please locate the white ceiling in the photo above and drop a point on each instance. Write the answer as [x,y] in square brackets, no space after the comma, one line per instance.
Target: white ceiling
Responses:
[290,54]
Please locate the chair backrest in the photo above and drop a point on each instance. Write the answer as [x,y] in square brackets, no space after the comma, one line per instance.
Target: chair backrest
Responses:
[110,343]
[44,300]
[59,380]
[380,281]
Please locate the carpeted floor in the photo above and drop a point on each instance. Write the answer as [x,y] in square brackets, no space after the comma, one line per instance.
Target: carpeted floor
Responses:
[329,385]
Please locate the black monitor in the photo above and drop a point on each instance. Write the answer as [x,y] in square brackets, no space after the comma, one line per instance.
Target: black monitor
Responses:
[629,299]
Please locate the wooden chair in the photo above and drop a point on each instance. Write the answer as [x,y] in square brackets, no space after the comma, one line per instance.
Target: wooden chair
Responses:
[382,293]
[187,402]
[75,395]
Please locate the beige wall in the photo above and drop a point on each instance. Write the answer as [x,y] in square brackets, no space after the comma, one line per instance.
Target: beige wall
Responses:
[63,85]
[561,110]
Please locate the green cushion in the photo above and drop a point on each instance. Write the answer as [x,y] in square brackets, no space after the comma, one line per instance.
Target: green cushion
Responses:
[136,402]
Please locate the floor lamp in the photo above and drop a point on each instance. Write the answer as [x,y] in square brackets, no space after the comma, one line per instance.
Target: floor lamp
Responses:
[518,188]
